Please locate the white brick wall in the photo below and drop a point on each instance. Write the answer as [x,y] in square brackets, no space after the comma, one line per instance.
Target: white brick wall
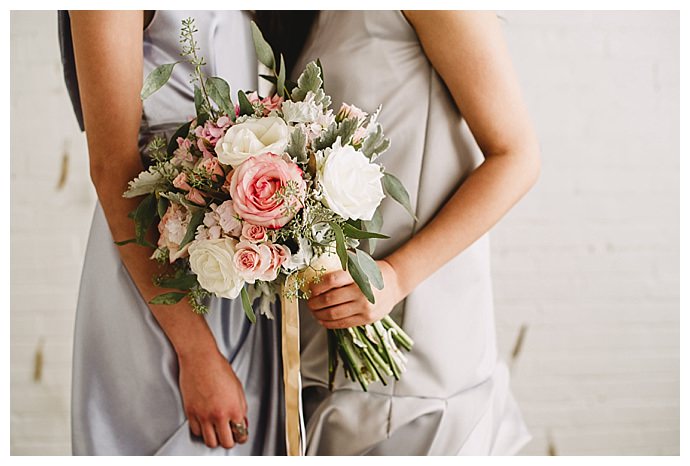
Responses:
[587,265]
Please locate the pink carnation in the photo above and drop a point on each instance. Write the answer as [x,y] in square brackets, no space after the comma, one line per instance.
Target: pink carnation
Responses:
[274,102]
[172,229]
[227,219]
[254,184]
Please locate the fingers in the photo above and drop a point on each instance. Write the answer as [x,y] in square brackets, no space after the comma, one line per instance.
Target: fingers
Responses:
[339,312]
[348,322]
[334,297]
[209,434]
[225,434]
[194,426]
[331,280]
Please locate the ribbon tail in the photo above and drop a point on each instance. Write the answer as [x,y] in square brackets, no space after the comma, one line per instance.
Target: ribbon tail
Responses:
[294,420]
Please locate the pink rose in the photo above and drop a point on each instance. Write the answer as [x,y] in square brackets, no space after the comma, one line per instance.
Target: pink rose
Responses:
[180,182]
[281,254]
[254,262]
[254,184]
[172,229]
[253,233]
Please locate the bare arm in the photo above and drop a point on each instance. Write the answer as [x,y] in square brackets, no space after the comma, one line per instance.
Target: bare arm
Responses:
[468,51]
[108,53]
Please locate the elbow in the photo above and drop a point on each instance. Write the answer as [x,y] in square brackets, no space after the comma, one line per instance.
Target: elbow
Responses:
[531,165]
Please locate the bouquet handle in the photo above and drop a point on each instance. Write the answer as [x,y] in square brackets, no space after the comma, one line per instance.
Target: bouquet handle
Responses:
[294,423]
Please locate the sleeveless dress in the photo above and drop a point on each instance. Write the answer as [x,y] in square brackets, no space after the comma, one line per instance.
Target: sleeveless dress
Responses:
[455,396]
[125,393]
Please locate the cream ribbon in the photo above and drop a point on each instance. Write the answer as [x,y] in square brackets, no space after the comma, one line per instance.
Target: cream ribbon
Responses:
[294,424]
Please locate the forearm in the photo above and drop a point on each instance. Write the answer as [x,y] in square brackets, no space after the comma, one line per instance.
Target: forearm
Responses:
[187,331]
[478,204]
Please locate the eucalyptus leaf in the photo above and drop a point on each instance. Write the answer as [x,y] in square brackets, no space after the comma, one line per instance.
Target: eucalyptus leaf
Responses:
[395,189]
[371,268]
[246,107]
[280,82]
[156,79]
[196,220]
[198,101]
[247,305]
[374,224]
[264,52]
[340,244]
[168,298]
[219,91]
[297,147]
[184,282]
[359,277]
[353,232]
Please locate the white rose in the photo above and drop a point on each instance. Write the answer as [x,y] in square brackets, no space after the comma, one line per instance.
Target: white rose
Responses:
[351,185]
[212,261]
[252,137]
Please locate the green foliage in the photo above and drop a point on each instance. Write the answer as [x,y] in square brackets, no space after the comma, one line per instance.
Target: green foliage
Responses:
[395,189]
[326,138]
[346,129]
[309,80]
[372,225]
[353,232]
[359,276]
[248,309]
[297,146]
[280,81]
[168,298]
[340,244]
[264,52]
[162,206]
[145,183]
[375,143]
[144,216]
[219,92]
[156,79]
[181,281]
[197,219]
[246,107]
[371,268]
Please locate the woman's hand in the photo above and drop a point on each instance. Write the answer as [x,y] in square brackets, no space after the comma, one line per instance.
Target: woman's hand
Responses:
[337,302]
[213,397]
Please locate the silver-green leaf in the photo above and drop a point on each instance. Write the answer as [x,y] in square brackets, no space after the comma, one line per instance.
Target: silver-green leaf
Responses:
[359,277]
[297,147]
[264,52]
[168,298]
[156,79]
[247,305]
[371,268]
[219,91]
[395,189]
[309,80]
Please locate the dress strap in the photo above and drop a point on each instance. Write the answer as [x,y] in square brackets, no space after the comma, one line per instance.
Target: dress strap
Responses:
[68,67]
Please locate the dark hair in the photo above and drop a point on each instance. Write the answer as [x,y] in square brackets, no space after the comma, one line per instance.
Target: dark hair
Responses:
[286,31]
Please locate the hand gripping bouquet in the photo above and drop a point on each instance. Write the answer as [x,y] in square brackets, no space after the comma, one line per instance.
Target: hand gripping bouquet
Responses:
[259,197]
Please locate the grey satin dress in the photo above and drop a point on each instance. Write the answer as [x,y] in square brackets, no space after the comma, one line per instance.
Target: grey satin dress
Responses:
[125,394]
[454,398]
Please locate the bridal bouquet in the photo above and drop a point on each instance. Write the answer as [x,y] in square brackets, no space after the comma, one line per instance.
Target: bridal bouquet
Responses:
[263,195]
